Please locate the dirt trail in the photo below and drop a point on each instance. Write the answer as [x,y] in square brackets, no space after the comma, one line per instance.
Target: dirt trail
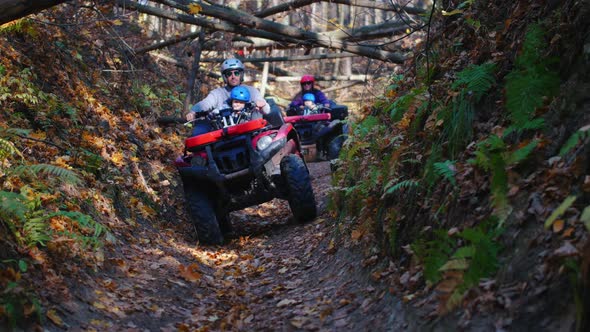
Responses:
[275,275]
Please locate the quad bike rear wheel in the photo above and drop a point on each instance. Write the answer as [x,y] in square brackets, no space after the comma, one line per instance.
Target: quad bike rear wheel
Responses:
[203,216]
[299,191]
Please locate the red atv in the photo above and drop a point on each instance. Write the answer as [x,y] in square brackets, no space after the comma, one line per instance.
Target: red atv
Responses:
[322,131]
[243,162]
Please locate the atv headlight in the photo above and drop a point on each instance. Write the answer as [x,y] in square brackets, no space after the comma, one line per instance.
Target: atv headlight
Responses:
[263,142]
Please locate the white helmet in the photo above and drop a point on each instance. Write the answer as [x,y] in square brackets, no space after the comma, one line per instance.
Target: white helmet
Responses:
[232,64]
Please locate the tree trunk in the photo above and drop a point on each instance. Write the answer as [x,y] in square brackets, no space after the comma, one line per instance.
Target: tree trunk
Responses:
[264,79]
[194,72]
[14,9]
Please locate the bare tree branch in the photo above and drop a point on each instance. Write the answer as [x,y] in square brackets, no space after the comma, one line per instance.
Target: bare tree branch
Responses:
[288,58]
[387,6]
[165,43]
[190,19]
[284,7]
[357,3]
[359,77]
[13,9]
[248,23]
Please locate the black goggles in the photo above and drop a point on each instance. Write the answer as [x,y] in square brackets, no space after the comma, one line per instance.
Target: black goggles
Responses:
[229,73]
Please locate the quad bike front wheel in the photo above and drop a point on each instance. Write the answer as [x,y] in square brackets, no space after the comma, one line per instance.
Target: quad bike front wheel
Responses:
[203,216]
[299,191]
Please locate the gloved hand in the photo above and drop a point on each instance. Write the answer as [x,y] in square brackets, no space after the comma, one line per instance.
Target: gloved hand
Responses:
[190,116]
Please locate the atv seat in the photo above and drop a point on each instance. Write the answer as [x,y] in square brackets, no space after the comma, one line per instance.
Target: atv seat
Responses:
[339,112]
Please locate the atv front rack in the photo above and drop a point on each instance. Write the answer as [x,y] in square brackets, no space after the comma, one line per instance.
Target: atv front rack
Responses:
[213,136]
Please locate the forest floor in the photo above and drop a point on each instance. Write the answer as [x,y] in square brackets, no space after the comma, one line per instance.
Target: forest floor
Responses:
[274,275]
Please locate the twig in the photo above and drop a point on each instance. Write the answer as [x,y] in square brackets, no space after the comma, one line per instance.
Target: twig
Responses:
[42,141]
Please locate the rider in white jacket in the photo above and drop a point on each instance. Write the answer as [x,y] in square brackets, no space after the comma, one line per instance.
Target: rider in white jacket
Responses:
[232,71]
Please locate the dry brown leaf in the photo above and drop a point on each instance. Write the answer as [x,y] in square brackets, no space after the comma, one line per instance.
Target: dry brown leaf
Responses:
[190,273]
[52,315]
[356,235]
[568,232]
[558,225]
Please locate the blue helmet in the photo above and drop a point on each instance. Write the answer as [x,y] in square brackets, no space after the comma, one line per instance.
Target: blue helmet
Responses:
[240,93]
[309,96]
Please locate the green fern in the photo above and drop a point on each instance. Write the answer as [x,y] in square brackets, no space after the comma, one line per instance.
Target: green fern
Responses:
[363,128]
[430,175]
[476,80]
[7,149]
[481,251]
[446,169]
[522,153]
[59,172]
[530,81]
[393,186]
[579,136]
[433,254]
[397,109]
[36,230]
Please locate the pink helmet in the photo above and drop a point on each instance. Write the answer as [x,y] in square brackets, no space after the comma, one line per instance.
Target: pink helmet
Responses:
[307,79]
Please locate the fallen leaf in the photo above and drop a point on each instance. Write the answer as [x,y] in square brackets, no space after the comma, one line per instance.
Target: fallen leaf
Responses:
[356,235]
[99,305]
[190,273]
[298,322]
[568,232]
[285,302]
[52,315]
[560,210]
[566,250]
[558,225]
[331,247]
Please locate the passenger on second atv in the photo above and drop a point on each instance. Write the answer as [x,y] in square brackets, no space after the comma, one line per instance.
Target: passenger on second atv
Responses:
[309,104]
[232,72]
[307,86]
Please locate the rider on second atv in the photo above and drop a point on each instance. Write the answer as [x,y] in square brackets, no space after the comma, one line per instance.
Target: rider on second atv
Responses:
[307,86]
[232,71]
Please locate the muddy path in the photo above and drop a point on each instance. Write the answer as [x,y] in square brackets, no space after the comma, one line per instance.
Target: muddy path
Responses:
[275,275]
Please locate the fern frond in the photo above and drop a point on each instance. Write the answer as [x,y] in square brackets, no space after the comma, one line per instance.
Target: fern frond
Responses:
[85,221]
[363,128]
[9,132]
[7,149]
[434,254]
[530,81]
[355,147]
[36,231]
[446,169]
[522,153]
[579,136]
[63,174]
[12,206]
[459,127]
[393,187]
[476,79]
